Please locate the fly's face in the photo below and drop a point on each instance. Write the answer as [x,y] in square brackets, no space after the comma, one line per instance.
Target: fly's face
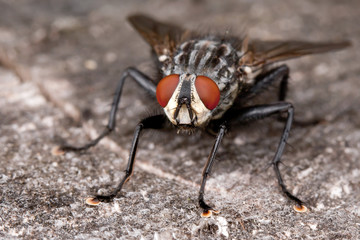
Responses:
[188,99]
[200,83]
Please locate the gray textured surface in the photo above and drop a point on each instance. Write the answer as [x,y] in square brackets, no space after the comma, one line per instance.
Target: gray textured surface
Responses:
[42,196]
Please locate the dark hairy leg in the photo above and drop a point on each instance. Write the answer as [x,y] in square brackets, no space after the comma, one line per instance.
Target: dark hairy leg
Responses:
[153,122]
[144,81]
[263,111]
[207,169]
[268,78]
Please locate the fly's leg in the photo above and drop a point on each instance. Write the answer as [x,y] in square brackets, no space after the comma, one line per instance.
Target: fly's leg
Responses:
[207,210]
[266,79]
[263,111]
[143,80]
[153,122]
[283,83]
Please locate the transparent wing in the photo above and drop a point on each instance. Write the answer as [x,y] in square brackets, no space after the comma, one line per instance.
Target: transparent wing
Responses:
[162,37]
[263,53]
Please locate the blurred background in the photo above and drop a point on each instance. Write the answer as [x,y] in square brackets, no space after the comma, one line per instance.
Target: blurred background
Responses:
[59,64]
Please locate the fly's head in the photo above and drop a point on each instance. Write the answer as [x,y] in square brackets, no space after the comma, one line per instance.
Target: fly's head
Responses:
[188,99]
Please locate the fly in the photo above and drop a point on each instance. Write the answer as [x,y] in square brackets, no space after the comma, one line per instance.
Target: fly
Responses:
[206,83]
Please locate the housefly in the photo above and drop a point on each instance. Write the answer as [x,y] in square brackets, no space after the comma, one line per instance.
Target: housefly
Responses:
[206,82]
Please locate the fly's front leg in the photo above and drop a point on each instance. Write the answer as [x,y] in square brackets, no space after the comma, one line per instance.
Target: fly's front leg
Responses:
[262,111]
[207,210]
[144,81]
[153,122]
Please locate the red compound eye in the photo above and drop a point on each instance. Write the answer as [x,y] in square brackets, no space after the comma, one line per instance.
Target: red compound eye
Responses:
[166,88]
[208,91]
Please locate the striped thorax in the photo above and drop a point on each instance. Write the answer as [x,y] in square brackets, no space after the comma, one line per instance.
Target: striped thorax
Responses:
[198,64]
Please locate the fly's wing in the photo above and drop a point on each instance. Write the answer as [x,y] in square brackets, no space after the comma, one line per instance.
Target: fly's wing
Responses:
[162,37]
[262,53]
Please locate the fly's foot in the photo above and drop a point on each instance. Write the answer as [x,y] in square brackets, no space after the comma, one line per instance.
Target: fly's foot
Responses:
[207,210]
[299,205]
[62,149]
[70,148]
[57,151]
[302,208]
[93,201]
